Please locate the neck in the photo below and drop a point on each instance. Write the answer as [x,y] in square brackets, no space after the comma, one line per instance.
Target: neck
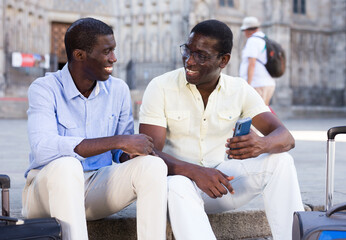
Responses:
[85,86]
[87,91]
[206,89]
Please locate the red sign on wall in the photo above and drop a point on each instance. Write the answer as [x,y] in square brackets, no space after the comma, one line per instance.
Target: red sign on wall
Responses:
[27,60]
[30,60]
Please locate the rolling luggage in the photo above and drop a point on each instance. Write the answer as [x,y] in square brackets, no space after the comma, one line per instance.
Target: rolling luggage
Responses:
[331,223]
[13,228]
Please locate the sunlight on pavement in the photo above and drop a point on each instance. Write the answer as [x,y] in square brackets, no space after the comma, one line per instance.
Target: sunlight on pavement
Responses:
[315,136]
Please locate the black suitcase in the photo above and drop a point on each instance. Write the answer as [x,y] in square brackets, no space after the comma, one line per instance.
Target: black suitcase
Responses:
[328,224]
[13,228]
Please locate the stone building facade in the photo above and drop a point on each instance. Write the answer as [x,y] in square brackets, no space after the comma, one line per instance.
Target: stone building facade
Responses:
[148,34]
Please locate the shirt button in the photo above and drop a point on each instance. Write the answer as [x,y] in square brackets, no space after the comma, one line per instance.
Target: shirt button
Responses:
[204,119]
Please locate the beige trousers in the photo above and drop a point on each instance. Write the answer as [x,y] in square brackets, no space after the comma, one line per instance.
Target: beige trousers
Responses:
[62,190]
[266,93]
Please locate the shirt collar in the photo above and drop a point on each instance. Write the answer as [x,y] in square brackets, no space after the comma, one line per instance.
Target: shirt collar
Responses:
[221,83]
[100,87]
[70,88]
[66,80]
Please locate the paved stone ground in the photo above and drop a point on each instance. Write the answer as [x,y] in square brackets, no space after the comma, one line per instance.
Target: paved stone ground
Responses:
[309,155]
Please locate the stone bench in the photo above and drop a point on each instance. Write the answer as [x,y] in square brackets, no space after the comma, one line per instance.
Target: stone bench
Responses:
[244,224]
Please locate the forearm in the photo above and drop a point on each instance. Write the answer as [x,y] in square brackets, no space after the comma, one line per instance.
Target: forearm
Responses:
[176,166]
[138,144]
[211,181]
[251,70]
[92,147]
[276,138]
[280,140]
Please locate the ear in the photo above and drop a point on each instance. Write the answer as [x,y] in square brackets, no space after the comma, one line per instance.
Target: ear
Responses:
[224,60]
[79,55]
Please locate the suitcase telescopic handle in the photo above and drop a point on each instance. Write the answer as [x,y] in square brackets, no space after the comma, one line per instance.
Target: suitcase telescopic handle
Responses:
[336,208]
[5,185]
[332,132]
[4,181]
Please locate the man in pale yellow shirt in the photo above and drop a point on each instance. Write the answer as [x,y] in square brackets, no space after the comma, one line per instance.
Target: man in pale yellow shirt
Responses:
[190,113]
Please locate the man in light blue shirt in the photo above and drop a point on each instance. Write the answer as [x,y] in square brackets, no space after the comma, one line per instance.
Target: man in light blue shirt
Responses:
[79,122]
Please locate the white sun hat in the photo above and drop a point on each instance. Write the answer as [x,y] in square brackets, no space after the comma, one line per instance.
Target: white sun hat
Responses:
[249,22]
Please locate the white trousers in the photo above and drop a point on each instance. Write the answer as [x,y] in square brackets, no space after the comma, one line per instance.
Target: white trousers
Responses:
[62,190]
[272,175]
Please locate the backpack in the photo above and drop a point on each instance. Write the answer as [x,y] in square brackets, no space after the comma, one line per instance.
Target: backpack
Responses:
[276,58]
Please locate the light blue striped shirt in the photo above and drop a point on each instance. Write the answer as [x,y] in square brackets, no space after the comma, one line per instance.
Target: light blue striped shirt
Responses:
[60,117]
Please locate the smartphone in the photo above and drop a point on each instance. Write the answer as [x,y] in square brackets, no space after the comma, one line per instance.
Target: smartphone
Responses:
[242,127]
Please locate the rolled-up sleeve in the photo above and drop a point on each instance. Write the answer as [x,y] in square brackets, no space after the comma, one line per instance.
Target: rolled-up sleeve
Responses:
[45,142]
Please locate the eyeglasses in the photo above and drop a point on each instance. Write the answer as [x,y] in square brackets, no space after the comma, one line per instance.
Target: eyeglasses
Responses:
[198,57]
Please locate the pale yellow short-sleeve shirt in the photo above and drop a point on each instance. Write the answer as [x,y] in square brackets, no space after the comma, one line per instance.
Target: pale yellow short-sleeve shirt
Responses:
[195,134]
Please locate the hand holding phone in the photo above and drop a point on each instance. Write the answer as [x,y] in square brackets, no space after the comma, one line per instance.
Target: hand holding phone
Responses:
[242,127]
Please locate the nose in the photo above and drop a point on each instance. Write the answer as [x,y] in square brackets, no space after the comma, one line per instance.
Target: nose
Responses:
[190,60]
[113,58]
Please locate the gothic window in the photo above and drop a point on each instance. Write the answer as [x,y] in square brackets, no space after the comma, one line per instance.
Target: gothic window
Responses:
[299,6]
[226,3]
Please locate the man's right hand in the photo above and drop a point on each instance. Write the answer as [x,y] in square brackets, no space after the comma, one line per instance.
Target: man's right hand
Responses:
[212,181]
[138,144]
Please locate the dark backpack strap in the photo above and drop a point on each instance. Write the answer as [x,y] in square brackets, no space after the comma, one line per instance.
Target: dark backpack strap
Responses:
[260,61]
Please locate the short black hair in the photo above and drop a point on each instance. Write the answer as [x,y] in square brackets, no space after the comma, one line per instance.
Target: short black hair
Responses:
[83,33]
[218,30]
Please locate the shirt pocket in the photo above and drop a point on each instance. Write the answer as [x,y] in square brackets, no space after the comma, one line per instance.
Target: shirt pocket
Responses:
[226,121]
[67,127]
[178,122]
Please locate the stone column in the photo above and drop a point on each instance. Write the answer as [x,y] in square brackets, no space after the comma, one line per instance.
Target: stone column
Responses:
[338,58]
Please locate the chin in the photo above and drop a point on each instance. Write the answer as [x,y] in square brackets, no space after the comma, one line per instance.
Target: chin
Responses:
[104,78]
[192,80]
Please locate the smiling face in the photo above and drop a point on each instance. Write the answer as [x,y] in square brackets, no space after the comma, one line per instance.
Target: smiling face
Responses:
[99,62]
[206,73]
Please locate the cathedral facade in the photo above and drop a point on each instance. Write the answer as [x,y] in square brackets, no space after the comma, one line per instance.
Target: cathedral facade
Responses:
[148,34]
